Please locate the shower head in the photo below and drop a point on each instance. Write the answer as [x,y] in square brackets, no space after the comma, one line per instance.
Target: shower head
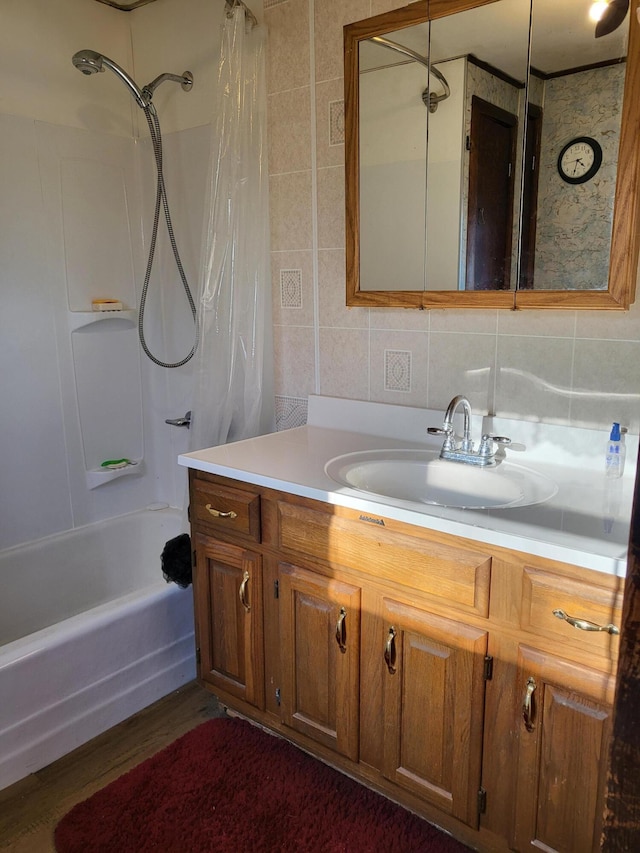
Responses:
[87,61]
[90,62]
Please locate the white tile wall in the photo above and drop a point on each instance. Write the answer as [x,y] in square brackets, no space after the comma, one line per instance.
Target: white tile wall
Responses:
[76,198]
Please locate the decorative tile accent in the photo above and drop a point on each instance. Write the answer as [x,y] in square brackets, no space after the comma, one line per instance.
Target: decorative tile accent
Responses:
[269,3]
[291,288]
[291,412]
[336,122]
[397,370]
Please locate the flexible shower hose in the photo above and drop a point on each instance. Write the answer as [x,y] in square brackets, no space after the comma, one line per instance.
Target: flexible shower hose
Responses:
[161,198]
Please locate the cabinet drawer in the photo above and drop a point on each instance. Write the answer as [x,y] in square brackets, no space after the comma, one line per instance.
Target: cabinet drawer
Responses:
[544,592]
[453,576]
[224,509]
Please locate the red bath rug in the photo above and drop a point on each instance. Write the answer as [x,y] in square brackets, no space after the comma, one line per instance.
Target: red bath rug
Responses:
[228,786]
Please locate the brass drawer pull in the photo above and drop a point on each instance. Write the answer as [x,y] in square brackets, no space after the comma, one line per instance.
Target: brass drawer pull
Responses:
[219,514]
[243,592]
[341,632]
[584,624]
[390,651]
[528,705]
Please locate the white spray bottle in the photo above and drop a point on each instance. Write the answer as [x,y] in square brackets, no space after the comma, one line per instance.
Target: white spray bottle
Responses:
[615,455]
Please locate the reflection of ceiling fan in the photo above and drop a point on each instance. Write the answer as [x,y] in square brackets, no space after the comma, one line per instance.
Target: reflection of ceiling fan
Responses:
[612,17]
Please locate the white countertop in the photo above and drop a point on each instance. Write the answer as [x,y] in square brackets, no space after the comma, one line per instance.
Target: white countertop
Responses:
[586,523]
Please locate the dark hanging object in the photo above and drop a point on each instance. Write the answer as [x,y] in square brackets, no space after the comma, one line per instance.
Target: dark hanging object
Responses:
[125,7]
[614,15]
[176,560]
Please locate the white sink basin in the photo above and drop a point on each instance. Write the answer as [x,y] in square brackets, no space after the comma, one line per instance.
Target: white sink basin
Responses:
[420,476]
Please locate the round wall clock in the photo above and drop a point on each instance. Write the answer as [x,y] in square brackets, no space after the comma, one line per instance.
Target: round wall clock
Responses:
[579,160]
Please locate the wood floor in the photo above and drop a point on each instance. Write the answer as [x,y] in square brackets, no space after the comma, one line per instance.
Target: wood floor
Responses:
[31,809]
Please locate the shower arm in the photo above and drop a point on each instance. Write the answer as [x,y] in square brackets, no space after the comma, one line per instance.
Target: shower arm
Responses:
[400,48]
[185,80]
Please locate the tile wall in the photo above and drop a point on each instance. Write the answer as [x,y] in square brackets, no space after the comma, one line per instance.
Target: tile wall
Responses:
[579,368]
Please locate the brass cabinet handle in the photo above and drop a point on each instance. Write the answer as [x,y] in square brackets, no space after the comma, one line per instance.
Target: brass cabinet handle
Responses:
[219,514]
[341,631]
[243,592]
[528,705]
[584,624]
[390,651]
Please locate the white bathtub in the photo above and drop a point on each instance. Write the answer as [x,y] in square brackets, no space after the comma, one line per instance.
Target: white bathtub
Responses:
[90,633]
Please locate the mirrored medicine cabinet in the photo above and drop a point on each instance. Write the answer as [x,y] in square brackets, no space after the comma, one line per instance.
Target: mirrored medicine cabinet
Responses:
[492,157]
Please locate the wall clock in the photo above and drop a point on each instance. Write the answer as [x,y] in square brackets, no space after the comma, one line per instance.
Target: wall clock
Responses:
[579,160]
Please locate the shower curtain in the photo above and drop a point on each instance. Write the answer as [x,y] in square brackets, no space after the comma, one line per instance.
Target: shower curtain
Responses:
[233,393]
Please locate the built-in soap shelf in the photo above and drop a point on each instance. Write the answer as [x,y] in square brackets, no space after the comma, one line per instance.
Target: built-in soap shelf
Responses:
[99,320]
[99,476]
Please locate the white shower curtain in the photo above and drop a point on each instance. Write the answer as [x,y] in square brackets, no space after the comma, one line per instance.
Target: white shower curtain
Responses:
[233,393]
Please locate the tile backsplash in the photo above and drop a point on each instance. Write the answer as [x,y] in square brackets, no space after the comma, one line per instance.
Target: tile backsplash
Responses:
[580,368]
[291,412]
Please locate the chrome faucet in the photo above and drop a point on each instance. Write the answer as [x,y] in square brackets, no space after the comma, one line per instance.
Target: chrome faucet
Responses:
[464,451]
[181,422]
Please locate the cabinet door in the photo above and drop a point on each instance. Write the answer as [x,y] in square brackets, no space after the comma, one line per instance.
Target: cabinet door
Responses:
[228,596]
[433,700]
[563,735]
[320,650]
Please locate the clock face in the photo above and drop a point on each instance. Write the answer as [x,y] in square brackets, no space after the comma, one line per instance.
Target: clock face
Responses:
[579,160]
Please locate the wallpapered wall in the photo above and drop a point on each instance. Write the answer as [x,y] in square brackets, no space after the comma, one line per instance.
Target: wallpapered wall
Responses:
[574,225]
[569,367]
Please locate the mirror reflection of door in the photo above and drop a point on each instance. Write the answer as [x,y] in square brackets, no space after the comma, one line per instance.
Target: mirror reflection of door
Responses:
[492,144]
[530,197]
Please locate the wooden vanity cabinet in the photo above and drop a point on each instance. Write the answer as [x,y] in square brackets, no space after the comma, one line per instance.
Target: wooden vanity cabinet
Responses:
[320,657]
[432,671]
[561,752]
[430,667]
[228,581]
[549,703]
[565,682]
[421,689]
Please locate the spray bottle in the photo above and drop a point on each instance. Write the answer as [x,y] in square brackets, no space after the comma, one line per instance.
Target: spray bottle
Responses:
[615,455]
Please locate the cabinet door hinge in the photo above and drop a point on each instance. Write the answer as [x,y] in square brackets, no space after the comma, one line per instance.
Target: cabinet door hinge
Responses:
[482,801]
[193,559]
[488,668]
[276,589]
[198,655]
[278,697]
[467,143]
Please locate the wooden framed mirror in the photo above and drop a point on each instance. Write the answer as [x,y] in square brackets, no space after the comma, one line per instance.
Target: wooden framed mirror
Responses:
[462,119]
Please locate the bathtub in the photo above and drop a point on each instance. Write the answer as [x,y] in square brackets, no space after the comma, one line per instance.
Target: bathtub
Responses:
[90,633]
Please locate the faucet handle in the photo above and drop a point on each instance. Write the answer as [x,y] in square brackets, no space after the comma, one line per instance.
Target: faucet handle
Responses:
[486,448]
[448,433]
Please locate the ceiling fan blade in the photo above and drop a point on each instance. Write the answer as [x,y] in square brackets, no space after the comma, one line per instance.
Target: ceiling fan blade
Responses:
[614,15]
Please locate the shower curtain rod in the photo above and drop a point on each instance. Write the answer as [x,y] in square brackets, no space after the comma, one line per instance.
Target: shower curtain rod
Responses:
[128,7]
[431,99]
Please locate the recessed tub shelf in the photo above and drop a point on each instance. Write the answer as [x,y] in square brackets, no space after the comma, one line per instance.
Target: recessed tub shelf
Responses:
[98,476]
[102,321]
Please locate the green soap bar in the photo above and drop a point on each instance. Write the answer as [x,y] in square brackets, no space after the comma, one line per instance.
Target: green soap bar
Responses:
[115,463]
